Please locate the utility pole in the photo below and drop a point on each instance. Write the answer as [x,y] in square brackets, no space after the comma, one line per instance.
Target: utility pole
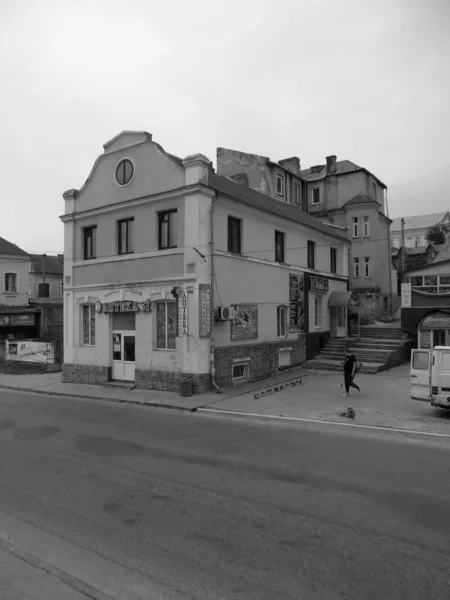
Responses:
[403,245]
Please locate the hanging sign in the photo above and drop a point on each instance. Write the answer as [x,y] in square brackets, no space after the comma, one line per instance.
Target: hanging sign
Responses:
[204,293]
[318,284]
[182,314]
[296,316]
[123,307]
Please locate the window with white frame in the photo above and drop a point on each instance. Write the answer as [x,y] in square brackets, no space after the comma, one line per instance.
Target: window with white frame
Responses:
[366,227]
[356,267]
[88,324]
[281,321]
[316,195]
[366,266]
[317,310]
[355,227]
[297,195]
[434,284]
[166,325]
[240,372]
[280,184]
[11,283]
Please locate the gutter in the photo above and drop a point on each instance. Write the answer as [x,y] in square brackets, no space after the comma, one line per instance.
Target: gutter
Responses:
[390,256]
[212,280]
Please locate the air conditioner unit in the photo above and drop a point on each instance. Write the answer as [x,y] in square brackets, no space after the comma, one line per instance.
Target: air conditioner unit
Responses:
[225,313]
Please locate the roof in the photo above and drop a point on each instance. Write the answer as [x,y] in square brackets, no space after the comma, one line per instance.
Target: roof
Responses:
[430,265]
[254,199]
[418,221]
[362,199]
[342,166]
[53,264]
[417,250]
[11,249]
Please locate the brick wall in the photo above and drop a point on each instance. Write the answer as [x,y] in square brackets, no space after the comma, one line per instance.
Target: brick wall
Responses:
[85,374]
[264,358]
[169,381]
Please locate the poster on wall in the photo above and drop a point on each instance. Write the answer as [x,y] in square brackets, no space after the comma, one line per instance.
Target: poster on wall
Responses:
[245,323]
[204,293]
[37,352]
[296,311]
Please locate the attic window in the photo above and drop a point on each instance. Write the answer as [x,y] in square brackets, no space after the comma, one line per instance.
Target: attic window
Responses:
[124,171]
[316,169]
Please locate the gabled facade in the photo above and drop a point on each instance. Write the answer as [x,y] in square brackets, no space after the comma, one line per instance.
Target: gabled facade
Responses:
[173,271]
[280,180]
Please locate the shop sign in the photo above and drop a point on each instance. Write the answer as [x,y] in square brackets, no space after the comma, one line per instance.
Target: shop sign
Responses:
[36,352]
[204,292]
[245,323]
[10,320]
[406,295]
[436,322]
[123,307]
[296,314]
[182,314]
[319,284]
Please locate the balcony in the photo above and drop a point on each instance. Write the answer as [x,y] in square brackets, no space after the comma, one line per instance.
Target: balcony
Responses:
[14,299]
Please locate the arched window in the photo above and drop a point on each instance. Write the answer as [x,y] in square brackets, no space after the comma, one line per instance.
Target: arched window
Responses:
[11,282]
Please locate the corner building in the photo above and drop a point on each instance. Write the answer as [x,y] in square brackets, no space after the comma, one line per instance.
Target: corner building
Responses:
[173,271]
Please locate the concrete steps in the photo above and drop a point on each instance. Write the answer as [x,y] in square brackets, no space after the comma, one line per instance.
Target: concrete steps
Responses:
[378,349]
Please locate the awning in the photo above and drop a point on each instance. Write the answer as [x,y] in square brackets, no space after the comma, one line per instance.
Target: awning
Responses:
[342,299]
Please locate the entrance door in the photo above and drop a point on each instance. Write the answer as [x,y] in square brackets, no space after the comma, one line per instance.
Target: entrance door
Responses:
[341,330]
[438,337]
[420,374]
[124,355]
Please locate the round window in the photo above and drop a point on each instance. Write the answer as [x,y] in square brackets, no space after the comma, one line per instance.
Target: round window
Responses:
[124,171]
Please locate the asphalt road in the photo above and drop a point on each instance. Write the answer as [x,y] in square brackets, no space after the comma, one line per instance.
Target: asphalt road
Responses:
[208,507]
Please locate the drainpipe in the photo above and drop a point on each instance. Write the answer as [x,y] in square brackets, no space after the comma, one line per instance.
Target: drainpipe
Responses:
[212,280]
[390,257]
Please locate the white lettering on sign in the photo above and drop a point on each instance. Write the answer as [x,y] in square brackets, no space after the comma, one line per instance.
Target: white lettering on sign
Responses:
[182,314]
[205,310]
[121,307]
[406,295]
[319,285]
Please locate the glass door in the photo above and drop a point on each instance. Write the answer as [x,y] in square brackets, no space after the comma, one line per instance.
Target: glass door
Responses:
[124,355]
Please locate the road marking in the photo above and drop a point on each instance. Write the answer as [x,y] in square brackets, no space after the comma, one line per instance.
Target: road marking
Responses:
[280,417]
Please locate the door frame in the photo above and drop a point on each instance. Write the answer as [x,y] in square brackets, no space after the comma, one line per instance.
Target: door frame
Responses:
[420,378]
[123,371]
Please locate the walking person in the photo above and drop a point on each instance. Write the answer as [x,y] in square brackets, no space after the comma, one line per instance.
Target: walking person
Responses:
[349,372]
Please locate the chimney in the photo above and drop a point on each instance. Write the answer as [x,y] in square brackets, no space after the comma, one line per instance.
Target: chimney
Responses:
[241,178]
[331,164]
[291,164]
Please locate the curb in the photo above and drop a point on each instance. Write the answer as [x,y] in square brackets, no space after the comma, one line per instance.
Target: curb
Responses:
[112,400]
[226,412]
[8,546]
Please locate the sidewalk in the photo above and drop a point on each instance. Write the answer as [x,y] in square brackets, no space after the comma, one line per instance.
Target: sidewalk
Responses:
[384,402]
[23,577]
[50,384]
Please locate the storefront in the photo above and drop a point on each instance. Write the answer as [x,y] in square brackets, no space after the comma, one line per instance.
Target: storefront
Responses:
[344,315]
[17,323]
[434,330]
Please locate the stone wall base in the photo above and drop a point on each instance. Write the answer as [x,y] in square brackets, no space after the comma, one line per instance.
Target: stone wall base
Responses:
[264,358]
[170,381]
[85,374]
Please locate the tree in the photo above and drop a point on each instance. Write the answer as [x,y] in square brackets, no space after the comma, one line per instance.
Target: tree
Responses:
[437,234]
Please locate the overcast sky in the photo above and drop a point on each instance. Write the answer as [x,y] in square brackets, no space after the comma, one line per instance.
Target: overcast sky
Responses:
[367,81]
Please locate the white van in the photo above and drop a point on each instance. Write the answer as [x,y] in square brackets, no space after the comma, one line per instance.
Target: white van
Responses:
[430,375]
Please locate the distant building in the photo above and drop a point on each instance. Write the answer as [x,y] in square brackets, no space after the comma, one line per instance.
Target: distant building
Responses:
[415,229]
[49,270]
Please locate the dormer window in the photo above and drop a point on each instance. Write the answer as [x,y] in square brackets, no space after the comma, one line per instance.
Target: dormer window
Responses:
[124,171]
[316,169]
